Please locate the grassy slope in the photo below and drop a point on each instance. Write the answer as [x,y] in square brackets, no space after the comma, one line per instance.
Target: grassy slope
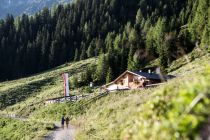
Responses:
[31,91]
[171,111]
[127,115]
[15,129]
[39,87]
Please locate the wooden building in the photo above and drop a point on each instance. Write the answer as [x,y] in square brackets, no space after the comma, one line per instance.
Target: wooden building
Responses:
[134,80]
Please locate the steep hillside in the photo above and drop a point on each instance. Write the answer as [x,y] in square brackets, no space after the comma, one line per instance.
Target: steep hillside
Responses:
[24,96]
[141,114]
[95,41]
[177,110]
[30,7]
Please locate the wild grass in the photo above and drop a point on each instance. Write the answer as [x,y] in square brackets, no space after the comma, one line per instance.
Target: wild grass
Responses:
[177,110]
[56,111]
[164,112]
[23,96]
[190,63]
[16,129]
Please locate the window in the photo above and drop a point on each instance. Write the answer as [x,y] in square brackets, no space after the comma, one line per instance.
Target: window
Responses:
[121,82]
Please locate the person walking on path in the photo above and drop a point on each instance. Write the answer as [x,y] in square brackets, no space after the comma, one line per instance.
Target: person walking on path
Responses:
[62,122]
[67,122]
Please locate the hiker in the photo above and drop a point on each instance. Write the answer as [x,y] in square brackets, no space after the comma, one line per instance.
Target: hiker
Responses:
[62,122]
[67,122]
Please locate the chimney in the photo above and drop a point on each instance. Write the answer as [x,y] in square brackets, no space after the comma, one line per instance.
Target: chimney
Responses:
[158,71]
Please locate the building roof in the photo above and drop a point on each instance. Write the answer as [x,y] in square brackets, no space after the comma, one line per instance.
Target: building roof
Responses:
[153,76]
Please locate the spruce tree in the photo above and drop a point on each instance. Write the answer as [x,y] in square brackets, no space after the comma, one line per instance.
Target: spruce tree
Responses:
[90,51]
[109,75]
[205,40]
[54,53]
[123,60]
[88,76]
[159,33]
[133,37]
[139,17]
[150,45]
[139,20]
[101,69]
[109,40]
[83,54]
[130,59]
[76,55]
[117,42]
[163,59]
[200,19]
[136,60]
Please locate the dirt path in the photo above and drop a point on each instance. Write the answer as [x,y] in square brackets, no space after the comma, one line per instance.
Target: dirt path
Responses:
[61,134]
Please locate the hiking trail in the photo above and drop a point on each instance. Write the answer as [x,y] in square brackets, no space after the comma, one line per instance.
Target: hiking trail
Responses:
[61,134]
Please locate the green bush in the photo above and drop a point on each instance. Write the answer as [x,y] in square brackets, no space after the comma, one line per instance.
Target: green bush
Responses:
[87,89]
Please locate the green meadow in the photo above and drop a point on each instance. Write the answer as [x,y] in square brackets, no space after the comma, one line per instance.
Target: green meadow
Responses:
[179,109]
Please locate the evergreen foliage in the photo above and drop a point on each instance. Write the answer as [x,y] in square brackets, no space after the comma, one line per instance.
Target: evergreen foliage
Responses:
[101,69]
[109,76]
[89,28]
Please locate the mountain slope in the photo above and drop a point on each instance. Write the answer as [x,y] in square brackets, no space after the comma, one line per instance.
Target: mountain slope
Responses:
[177,110]
[18,7]
[134,115]
[14,95]
[131,33]
[24,97]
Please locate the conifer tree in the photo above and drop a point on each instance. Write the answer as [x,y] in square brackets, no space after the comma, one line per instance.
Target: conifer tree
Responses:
[54,53]
[101,69]
[87,78]
[76,55]
[200,19]
[117,42]
[163,59]
[123,60]
[136,60]
[130,59]
[109,75]
[205,42]
[90,51]
[109,40]
[150,45]
[133,37]
[139,20]
[83,53]
[139,17]
[159,34]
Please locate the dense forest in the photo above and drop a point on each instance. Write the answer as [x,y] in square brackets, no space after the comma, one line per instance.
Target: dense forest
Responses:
[124,34]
